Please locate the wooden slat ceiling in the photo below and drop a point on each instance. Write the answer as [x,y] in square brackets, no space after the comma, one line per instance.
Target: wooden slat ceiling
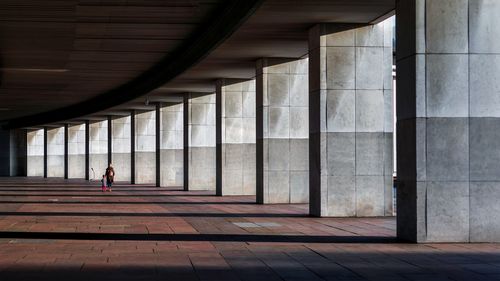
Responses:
[58,53]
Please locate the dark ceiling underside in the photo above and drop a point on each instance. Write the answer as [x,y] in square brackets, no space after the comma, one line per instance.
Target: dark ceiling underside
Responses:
[62,59]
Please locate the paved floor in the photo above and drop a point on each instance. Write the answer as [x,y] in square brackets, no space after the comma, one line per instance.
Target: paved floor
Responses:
[56,230]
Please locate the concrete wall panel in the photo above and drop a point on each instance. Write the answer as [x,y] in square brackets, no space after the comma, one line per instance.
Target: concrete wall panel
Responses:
[145,147]
[351,120]
[98,145]
[282,130]
[121,148]
[55,152]
[200,142]
[35,153]
[76,152]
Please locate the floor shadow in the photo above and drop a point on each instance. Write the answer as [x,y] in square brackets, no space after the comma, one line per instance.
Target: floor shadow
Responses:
[100,194]
[197,237]
[196,215]
[128,202]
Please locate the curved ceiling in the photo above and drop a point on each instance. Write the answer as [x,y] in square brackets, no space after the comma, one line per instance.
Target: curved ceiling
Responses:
[61,59]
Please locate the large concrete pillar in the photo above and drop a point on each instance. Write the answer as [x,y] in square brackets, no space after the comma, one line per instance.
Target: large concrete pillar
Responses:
[66,151]
[13,153]
[199,142]
[87,150]
[132,146]
[236,148]
[76,152]
[448,111]
[110,139]
[45,154]
[172,143]
[98,149]
[55,152]
[4,153]
[121,148]
[158,161]
[282,131]
[35,153]
[145,152]
[351,120]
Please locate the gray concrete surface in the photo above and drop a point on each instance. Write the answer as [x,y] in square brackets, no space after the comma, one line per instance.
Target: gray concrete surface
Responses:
[282,131]
[76,152]
[172,145]
[199,142]
[352,120]
[448,121]
[236,137]
[121,148]
[55,152]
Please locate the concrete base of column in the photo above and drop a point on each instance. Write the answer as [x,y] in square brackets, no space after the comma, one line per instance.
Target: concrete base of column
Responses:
[238,171]
[172,167]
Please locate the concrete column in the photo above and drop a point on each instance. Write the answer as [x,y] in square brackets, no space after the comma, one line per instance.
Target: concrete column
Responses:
[98,145]
[121,148]
[18,153]
[158,144]
[87,150]
[282,131]
[4,153]
[448,111]
[236,148]
[55,152]
[132,146]
[13,153]
[172,143]
[66,164]
[45,152]
[76,152]
[199,144]
[145,153]
[35,145]
[351,121]
[110,139]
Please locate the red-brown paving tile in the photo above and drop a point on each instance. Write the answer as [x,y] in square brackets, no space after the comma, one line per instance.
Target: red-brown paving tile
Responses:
[146,233]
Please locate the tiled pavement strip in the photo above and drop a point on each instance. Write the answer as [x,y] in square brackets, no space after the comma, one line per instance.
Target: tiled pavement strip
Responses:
[69,230]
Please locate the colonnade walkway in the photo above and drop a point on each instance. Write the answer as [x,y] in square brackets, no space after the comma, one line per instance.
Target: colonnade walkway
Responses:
[52,229]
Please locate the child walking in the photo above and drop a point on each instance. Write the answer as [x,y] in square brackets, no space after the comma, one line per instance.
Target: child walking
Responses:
[103,183]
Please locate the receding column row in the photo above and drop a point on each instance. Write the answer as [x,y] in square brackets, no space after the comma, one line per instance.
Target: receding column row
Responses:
[314,130]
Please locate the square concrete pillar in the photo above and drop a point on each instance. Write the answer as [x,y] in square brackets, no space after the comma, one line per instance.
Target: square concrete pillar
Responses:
[172,144]
[199,142]
[55,152]
[121,148]
[282,131]
[448,111]
[98,149]
[110,139]
[87,150]
[351,122]
[13,153]
[76,151]
[145,148]
[45,154]
[132,146]
[236,129]
[158,166]
[35,147]
[66,164]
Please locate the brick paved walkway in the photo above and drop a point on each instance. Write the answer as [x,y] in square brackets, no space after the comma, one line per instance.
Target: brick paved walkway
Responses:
[56,230]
